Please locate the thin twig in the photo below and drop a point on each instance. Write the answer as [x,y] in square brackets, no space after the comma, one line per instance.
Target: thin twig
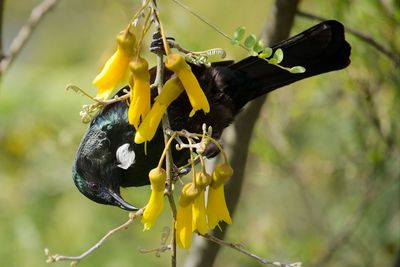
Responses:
[25,33]
[215,28]
[76,259]
[240,248]
[166,127]
[395,57]
[163,247]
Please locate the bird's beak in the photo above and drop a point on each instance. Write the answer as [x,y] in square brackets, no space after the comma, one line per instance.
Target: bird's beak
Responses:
[121,202]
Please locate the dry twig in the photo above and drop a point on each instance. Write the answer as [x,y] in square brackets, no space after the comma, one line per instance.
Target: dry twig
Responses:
[240,248]
[392,55]
[25,33]
[76,259]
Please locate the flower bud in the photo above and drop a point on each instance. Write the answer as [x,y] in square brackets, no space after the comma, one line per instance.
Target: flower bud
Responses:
[202,179]
[157,178]
[126,42]
[221,174]
[189,193]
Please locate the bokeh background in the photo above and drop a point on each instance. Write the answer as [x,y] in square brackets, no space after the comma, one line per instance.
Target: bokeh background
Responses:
[322,184]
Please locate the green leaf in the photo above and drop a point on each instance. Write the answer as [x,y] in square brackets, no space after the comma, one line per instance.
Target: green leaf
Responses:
[250,41]
[278,56]
[253,53]
[258,46]
[272,61]
[266,53]
[297,69]
[238,34]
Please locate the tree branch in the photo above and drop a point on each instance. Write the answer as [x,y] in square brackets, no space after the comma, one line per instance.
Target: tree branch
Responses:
[25,33]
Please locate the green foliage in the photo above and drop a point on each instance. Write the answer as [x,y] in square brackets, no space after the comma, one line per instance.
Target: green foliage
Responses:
[257,48]
[250,41]
[238,34]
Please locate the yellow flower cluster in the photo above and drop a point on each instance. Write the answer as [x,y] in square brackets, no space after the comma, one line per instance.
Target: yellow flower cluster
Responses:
[140,115]
[192,212]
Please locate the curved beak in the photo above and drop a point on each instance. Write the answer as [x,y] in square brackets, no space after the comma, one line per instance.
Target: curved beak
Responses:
[120,202]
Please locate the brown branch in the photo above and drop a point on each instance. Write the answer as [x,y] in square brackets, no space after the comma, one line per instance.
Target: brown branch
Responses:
[25,33]
[76,259]
[240,248]
[392,55]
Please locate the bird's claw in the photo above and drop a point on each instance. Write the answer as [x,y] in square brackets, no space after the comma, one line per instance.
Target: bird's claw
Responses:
[157,44]
[183,171]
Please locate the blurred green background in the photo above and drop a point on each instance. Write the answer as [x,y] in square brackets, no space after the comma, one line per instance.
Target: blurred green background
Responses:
[323,179]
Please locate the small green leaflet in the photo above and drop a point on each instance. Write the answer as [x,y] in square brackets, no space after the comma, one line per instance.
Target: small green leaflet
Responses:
[238,34]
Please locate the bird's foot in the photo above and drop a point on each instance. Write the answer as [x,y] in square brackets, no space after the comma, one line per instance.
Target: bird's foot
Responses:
[157,44]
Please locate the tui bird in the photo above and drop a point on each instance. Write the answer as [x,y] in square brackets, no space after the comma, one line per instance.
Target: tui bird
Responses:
[108,158]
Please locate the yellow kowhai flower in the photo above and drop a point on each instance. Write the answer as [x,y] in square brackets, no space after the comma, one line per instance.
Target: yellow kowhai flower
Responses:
[183,225]
[156,203]
[197,98]
[199,210]
[116,66]
[147,129]
[199,214]
[216,206]
[140,91]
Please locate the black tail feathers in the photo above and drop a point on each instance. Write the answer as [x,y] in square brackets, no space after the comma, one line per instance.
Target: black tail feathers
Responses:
[320,49]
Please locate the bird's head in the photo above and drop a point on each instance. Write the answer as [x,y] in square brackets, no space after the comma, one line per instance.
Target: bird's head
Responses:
[103,191]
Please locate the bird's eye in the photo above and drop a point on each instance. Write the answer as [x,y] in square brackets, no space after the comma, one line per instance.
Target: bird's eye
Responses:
[94,187]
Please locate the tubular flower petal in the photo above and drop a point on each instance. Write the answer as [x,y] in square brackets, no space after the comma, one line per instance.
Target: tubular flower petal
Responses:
[140,92]
[156,203]
[199,214]
[216,206]
[116,66]
[197,98]
[147,129]
[153,209]
[183,225]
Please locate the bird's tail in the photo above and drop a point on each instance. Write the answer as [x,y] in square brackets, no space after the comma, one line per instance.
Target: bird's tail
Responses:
[320,49]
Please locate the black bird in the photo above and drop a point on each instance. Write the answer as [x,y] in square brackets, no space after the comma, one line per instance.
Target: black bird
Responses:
[108,158]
